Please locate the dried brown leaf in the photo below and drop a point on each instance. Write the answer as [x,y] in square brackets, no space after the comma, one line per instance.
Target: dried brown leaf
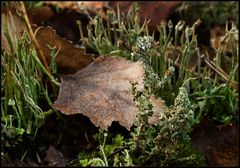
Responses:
[102,92]
[70,59]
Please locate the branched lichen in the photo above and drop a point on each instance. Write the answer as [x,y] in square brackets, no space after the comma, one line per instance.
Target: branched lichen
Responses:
[168,140]
[141,53]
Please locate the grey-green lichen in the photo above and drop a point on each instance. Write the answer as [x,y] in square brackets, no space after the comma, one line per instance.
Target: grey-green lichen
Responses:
[169,140]
[141,53]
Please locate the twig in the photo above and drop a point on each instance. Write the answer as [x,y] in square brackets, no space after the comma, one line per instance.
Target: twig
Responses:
[36,44]
[220,72]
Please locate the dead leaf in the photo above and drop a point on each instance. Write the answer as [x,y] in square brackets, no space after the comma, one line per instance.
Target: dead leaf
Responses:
[102,92]
[70,59]
[219,144]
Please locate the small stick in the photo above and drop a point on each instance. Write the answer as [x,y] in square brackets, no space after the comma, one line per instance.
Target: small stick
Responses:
[36,44]
[220,72]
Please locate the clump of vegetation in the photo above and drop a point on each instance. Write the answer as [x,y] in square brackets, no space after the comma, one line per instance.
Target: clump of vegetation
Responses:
[189,93]
[22,84]
[119,38]
[25,101]
[186,92]
[169,142]
[218,86]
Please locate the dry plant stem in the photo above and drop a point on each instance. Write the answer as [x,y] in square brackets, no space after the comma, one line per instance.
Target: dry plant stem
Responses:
[35,42]
[220,72]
